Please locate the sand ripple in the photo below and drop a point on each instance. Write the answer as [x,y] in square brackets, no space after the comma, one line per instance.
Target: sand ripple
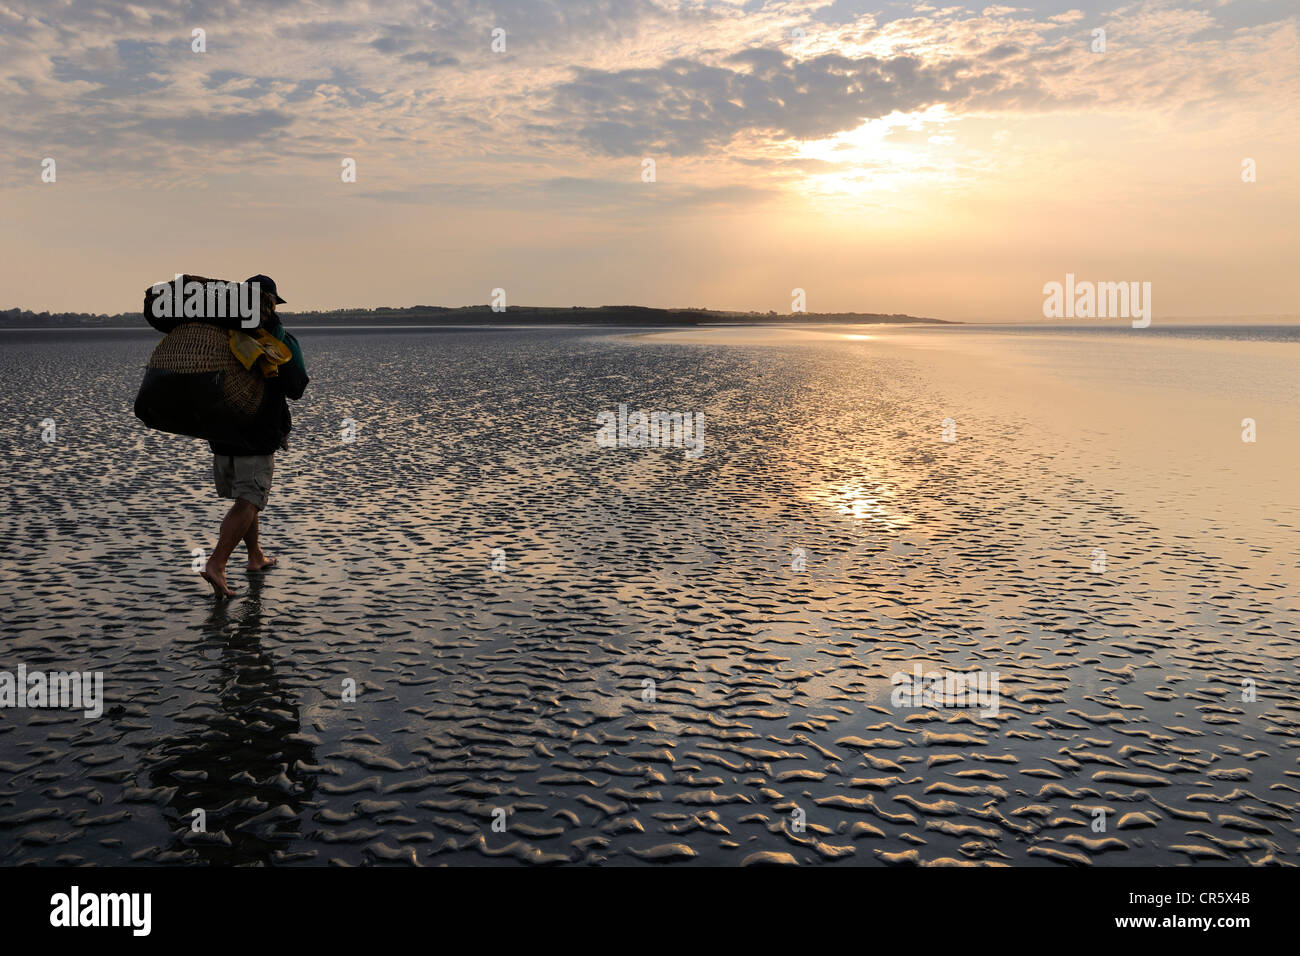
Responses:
[647,681]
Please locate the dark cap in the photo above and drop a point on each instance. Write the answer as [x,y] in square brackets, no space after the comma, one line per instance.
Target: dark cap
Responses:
[267,284]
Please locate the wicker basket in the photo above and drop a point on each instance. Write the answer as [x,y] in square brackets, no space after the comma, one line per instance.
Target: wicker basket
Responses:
[197,348]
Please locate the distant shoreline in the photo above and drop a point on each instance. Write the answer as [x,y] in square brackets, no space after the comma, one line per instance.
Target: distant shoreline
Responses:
[1173,326]
[525,317]
[297,327]
[481,315]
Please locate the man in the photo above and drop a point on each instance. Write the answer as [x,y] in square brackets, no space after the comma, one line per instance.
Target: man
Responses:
[243,473]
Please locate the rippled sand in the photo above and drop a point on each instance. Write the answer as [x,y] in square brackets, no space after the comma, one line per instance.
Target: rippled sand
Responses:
[649,680]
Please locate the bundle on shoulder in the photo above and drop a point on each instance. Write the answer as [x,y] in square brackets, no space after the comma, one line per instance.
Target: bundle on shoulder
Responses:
[215,373]
[191,298]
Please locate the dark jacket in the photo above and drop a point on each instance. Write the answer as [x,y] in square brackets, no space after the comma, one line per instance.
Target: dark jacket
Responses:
[290,383]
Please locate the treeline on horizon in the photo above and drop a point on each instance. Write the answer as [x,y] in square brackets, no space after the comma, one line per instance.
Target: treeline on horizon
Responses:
[479,315]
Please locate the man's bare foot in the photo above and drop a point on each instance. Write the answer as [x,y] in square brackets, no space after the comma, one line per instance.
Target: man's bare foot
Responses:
[216,576]
[260,562]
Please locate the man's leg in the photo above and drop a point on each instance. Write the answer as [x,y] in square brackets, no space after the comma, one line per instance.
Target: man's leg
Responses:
[242,513]
[257,561]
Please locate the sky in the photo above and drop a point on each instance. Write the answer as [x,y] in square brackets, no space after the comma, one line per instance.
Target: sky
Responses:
[943,161]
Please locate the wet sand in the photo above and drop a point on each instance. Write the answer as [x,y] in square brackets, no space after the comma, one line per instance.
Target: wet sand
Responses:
[648,680]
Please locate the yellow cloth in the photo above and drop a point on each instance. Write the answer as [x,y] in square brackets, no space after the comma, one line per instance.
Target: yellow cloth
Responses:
[261,348]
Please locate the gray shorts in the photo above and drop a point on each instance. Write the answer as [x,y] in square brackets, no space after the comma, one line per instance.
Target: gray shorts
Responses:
[244,476]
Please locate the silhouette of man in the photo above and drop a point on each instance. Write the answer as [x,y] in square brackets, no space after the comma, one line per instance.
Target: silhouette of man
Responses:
[243,473]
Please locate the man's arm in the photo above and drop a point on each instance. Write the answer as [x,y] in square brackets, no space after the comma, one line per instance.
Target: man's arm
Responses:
[293,373]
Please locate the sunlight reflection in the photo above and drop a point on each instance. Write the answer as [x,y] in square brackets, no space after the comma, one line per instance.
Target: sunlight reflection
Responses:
[867,501]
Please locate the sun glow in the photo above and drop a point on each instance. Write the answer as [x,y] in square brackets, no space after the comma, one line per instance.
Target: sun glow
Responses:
[882,159]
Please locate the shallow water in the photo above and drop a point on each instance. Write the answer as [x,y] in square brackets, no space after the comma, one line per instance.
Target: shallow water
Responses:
[648,679]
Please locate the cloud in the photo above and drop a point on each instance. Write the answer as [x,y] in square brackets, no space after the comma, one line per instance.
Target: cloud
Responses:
[686,107]
[125,68]
[430,58]
[391,44]
[584,81]
[231,129]
[608,197]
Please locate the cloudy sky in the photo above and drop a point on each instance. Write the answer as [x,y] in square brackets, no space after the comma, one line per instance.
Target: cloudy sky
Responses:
[893,157]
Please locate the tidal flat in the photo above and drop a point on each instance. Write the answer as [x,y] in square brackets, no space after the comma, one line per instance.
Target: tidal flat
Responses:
[492,640]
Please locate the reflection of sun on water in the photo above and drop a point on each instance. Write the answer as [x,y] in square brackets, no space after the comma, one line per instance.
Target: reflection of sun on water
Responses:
[868,502]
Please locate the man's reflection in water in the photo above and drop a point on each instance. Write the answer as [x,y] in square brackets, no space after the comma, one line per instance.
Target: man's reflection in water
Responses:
[238,763]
